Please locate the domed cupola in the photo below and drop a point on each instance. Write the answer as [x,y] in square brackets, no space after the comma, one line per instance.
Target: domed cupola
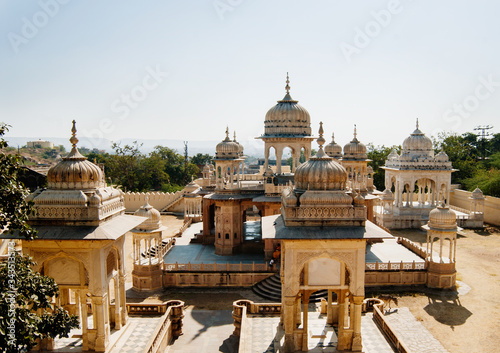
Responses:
[227,149]
[240,146]
[153,221]
[333,149]
[442,217]
[75,171]
[477,194]
[393,155]
[418,146]
[287,118]
[319,197]
[355,149]
[320,172]
[442,157]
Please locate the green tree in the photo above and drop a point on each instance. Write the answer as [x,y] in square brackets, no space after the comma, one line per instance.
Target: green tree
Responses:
[14,210]
[201,159]
[378,156]
[26,311]
[463,153]
[487,180]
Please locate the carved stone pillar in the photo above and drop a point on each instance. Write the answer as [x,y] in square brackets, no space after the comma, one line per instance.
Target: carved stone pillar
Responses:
[123,300]
[356,339]
[82,298]
[289,323]
[118,319]
[99,322]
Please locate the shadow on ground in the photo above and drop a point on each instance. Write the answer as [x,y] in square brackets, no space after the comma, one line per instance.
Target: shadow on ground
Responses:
[447,309]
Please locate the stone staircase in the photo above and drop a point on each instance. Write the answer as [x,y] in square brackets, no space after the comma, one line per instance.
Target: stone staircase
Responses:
[270,289]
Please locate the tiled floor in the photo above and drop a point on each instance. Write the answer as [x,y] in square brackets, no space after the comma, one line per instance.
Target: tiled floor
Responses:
[184,252]
[137,335]
[264,333]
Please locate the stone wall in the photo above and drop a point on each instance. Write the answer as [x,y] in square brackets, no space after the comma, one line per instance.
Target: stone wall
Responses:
[460,198]
[159,200]
[214,279]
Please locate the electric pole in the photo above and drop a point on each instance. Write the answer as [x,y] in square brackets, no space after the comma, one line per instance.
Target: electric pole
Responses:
[483,134]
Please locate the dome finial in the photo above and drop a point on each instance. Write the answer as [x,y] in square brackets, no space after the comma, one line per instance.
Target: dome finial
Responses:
[355,132]
[234,136]
[73,139]
[287,87]
[321,141]
[227,134]
[417,124]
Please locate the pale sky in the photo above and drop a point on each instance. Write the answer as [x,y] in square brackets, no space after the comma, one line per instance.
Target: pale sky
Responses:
[187,69]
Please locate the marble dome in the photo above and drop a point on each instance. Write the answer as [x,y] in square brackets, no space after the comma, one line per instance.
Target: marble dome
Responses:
[443,217]
[320,172]
[355,149]
[333,149]
[75,171]
[153,220]
[227,149]
[287,118]
[417,145]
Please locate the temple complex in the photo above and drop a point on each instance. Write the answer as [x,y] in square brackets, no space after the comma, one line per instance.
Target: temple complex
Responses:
[319,226]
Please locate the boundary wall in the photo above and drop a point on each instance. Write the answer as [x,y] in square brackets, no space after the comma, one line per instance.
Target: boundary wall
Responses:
[460,198]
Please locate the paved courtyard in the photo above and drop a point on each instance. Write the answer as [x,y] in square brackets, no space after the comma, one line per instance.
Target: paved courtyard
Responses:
[184,252]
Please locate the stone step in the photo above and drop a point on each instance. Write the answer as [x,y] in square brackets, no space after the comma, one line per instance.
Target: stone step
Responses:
[270,288]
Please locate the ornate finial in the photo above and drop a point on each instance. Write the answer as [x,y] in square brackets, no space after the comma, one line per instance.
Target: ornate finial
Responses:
[333,137]
[227,134]
[355,132]
[234,136]
[321,141]
[417,124]
[73,138]
[287,87]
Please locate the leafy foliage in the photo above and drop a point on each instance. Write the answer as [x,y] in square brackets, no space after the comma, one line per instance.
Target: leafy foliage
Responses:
[26,311]
[378,156]
[14,210]
[466,153]
[162,169]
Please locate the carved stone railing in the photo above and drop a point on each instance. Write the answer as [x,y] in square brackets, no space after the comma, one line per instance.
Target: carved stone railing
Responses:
[217,267]
[395,266]
[387,329]
[242,308]
[170,326]
[187,223]
[413,247]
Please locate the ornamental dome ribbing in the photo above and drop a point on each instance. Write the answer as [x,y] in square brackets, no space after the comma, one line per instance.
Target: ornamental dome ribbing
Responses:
[287,118]
[75,171]
[227,149]
[333,149]
[355,149]
[320,172]
[153,220]
[442,218]
[417,145]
